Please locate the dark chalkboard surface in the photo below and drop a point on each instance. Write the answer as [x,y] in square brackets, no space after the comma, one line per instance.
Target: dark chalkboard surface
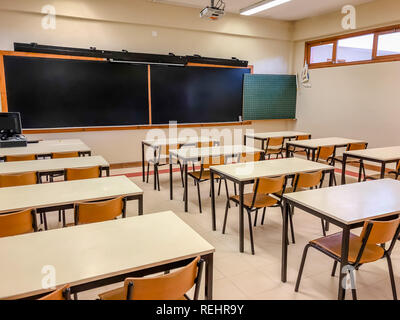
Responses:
[196,94]
[55,93]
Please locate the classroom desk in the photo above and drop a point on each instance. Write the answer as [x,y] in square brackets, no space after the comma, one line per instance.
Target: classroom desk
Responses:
[380,155]
[246,173]
[264,136]
[346,206]
[47,147]
[62,195]
[50,166]
[187,155]
[313,144]
[157,143]
[98,254]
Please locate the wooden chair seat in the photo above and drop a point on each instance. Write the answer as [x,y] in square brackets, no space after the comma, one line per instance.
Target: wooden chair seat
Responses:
[273,151]
[205,175]
[349,160]
[262,200]
[333,244]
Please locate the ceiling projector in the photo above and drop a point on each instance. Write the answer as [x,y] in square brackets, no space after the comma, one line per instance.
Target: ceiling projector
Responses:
[214,11]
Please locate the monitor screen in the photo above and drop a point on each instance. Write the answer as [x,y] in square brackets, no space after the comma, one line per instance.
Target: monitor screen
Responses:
[10,121]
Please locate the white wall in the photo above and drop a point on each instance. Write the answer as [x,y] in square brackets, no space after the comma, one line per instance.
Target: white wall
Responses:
[129,24]
[361,101]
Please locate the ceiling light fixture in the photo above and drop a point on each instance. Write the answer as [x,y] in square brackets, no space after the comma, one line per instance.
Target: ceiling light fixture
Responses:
[261,6]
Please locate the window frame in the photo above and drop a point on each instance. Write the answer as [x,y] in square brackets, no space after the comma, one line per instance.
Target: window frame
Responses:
[375,58]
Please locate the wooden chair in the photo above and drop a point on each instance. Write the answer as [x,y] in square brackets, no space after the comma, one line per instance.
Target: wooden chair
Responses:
[352,147]
[363,249]
[204,173]
[18,179]
[325,155]
[71,174]
[391,174]
[15,223]
[63,293]
[172,286]
[305,181]
[274,146]
[260,198]
[293,150]
[61,155]
[161,158]
[27,157]
[98,211]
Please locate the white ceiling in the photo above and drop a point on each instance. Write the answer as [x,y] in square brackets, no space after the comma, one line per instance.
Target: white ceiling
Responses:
[293,10]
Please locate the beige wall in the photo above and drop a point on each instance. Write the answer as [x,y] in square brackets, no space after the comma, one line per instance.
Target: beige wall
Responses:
[352,101]
[129,24]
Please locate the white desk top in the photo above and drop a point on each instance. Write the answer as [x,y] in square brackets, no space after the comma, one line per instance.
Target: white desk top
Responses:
[179,140]
[196,153]
[48,165]
[269,168]
[61,141]
[352,203]
[382,154]
[324,142]
[45,147]
[285,134]
[84,253]
[65,192]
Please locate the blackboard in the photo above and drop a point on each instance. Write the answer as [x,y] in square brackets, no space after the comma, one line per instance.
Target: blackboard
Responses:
[55,93]
[269,96]
[196,94]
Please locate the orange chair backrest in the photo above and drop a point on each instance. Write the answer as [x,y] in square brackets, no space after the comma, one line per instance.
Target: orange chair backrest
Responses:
[307,179]
[82,173]
[61,155]
[269,185]
[165,149]
[382,231]
[12,224]
[25,157]
[18,179]
[274,142]
[165,287]
[59,294]
[213,161]
[90,212]
[356,146]
[303,137]
[250,157]
[325,152]
[204,144]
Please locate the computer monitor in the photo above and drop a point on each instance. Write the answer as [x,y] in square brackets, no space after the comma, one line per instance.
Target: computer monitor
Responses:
[10,122]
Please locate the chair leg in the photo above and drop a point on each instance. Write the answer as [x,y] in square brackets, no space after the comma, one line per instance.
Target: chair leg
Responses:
[256,218]
[334,268]
[45,221]
[263,216]
[303,260]
[251,232]
[219,186]
[198,194]
[353,285]
[148,172]
[323,227]
[158,179]
[225,217]
[181,170]
[227,192]
[282,211]
[393,283]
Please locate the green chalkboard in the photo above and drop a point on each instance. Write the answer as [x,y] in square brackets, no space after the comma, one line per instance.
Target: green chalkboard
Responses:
[269,96]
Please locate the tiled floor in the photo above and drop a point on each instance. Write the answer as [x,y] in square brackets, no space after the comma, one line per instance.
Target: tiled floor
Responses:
[244,276]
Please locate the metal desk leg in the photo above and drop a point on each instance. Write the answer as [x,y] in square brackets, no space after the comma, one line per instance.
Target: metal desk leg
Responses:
[244,139]
[287,151]
[344,262]
[286,209]
[241,217]
[331,177]
[209,259]
[313,155]
[108,171]
[383,169]
[344,169]
[214,222]
[263,144]
[171,190]
[140,205]
[143,170]
[186,186]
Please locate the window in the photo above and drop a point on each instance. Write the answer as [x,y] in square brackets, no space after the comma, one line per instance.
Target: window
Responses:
[388,44]
[363,47]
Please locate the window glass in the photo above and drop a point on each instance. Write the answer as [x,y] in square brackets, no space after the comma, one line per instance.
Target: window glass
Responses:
[388,44]
[322,53]
[355,49]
